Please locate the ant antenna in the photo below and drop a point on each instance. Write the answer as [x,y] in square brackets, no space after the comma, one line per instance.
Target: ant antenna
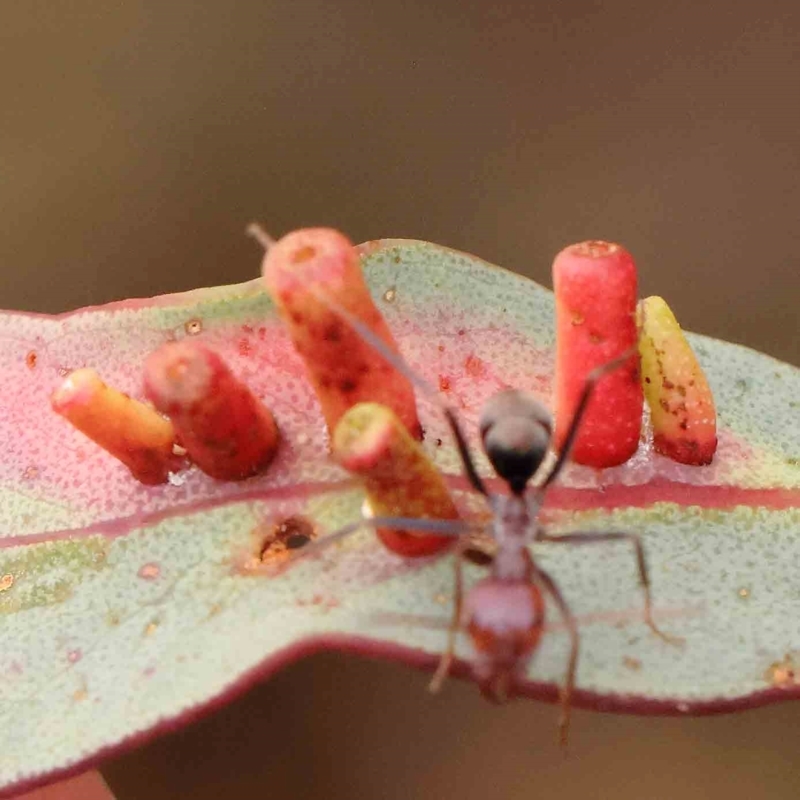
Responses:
[400,365]
[583,403]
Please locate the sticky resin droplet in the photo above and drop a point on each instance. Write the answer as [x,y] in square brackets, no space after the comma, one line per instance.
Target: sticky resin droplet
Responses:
[150,571]
[744,593]
[6,582]
[31,359]
[150,628]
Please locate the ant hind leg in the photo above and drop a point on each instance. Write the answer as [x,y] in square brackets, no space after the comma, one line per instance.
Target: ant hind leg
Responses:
[446,660]
[567,688]
[594,537]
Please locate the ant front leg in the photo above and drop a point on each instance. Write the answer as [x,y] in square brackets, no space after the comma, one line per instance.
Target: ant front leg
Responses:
[464,453]
[422,525]
[567,688]
[580,411]
[595,537]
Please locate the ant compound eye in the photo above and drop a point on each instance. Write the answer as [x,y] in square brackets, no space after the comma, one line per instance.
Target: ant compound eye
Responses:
[513,403]
[516,446]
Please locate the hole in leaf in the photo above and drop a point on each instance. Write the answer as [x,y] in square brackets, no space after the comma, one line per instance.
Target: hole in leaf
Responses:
[291,533]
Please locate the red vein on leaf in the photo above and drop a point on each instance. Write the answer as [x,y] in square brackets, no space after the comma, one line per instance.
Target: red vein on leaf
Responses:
[121,526]
[658,490]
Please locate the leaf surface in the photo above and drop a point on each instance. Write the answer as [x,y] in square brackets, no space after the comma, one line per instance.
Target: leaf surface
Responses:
[124,609]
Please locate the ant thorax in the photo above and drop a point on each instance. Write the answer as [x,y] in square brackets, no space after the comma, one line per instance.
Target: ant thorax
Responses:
[514,527]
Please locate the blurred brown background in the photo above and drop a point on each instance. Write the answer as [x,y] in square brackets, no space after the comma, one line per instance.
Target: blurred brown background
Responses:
[138,138]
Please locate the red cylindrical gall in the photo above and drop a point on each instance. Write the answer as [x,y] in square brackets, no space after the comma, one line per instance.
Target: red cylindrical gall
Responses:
[399,478]
[131,431]
[226,430]
[595,291]
[301,270]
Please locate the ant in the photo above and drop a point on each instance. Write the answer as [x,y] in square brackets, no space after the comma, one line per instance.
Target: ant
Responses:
[503,614]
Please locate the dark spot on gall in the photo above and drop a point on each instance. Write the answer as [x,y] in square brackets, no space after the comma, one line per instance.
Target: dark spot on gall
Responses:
[683,425]
[333,333]
[347,385]
[461,331]
[31,359]
[667,384]
[664,404]
[647,380]
[438,442]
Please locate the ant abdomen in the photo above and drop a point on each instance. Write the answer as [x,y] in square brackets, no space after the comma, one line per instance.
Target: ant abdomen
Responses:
[515,430]
[505,620]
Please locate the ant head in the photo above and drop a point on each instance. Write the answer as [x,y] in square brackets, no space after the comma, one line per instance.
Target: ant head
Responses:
[515,431]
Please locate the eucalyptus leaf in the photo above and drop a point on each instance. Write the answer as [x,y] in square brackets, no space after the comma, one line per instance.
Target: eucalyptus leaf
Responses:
[126,609]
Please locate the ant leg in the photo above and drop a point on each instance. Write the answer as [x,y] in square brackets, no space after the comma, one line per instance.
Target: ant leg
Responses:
[446,661]
[580,410]
[463,451]
[593,537]
[566,690]
[400,365]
